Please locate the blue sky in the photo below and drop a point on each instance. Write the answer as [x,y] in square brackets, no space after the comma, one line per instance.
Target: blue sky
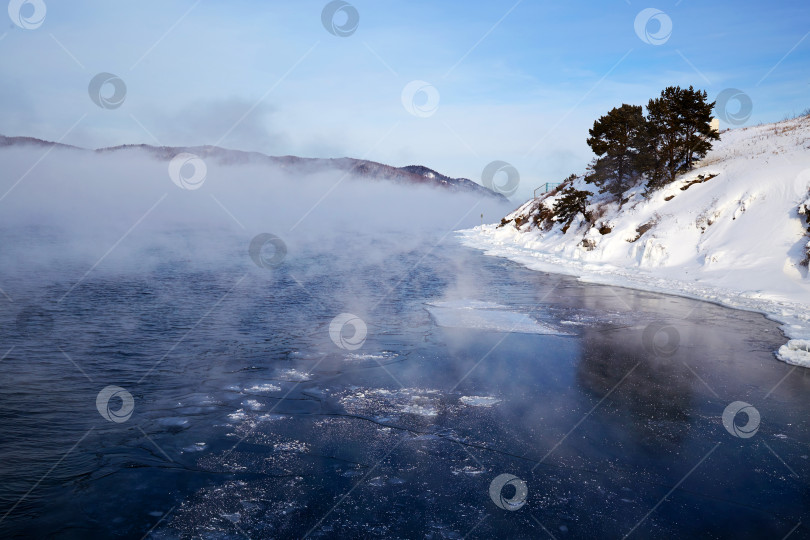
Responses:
[517,81]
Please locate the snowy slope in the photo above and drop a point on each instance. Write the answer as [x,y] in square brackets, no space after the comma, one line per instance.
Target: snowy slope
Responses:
[737,238]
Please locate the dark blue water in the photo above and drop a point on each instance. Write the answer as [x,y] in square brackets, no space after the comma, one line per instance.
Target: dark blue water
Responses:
[250,422]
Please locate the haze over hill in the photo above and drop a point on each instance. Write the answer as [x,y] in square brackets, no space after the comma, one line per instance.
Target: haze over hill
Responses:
[358,168]
[79,215]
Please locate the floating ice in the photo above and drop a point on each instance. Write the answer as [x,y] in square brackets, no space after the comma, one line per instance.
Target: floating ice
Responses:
[479,401]
[467,304]
[468,470]
[386,405]
[269,416]
[385,355]
[291,446]
[377,481]
[237,416]
[196,447]
[253,404]
[293,375]
[487,316]
[420,406]
[263,388]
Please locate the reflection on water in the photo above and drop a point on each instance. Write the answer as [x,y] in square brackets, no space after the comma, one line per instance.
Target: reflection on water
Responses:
[250,421]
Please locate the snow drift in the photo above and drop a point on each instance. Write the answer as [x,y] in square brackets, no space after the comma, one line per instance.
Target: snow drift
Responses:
[734,231]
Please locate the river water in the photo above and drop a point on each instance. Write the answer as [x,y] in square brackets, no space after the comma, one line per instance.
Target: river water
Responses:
[248,419]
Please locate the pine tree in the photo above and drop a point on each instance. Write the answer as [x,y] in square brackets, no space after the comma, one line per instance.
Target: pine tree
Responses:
[678,132]
[675,133]
[616,138]
[662,134]
[697,131]
[571,203]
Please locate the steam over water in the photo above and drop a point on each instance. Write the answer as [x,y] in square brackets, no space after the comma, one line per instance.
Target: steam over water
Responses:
[253,416]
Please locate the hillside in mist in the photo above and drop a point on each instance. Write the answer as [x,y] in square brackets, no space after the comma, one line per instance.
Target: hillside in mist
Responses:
[358,168]
[70,215]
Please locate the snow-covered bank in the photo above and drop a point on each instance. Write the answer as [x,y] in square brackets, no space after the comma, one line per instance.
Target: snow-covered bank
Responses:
[732,231]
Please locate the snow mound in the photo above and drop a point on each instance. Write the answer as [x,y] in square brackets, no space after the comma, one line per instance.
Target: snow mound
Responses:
[735,230]
[795,352]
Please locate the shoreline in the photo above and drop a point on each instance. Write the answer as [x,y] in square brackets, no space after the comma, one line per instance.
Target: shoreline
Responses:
[788,315]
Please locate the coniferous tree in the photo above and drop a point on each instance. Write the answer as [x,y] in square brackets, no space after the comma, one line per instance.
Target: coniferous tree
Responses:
[616,140]
[678,132]
[571,203]
[675,133]
[697,131]
[662,135]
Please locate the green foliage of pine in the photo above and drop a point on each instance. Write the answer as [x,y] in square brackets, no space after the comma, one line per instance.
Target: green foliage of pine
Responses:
[571,203]
[616,139]
[678,133]
[654,149]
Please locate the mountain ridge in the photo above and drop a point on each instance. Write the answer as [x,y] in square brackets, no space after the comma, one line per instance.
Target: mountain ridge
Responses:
[372,170]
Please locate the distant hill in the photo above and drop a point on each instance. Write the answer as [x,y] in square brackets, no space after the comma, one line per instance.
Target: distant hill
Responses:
[412,174]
